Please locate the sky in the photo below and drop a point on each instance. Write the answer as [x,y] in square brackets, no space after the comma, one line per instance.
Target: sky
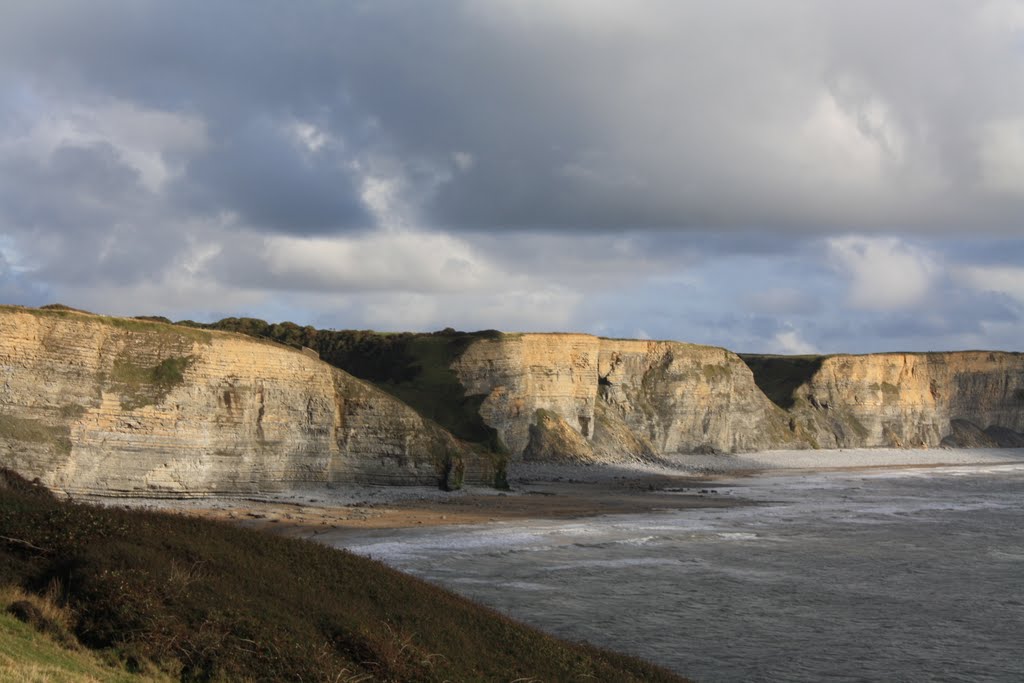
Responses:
[794,176]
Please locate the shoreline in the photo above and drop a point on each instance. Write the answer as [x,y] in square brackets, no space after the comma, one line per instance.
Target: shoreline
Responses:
[554,491]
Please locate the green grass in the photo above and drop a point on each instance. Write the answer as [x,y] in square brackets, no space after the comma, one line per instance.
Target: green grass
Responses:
[208,601]
[71,411]
[30,656]
[36,646]
[716,373]
[156,328]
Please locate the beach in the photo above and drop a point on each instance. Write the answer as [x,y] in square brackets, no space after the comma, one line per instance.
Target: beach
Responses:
[550,491]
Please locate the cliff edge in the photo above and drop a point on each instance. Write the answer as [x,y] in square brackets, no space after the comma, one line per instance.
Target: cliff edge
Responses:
[90,404]
[581,398]
[639,400]
[625,399]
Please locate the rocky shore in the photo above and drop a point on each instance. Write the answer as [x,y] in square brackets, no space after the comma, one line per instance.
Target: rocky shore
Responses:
[551,491]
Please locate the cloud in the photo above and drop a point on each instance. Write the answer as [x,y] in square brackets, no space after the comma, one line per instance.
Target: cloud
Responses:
[277,178]
[790,342]
[788,175]
[885,273]
[396,261]
[1006,280]
[1001,156]
[781,300]
[807,118]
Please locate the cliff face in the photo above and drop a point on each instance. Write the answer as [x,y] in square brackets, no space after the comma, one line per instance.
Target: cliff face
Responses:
[104,405]
[582,398]
[970,398]
[626,400]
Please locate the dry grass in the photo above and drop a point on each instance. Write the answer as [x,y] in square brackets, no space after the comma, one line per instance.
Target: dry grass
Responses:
[208,601]
[46,651]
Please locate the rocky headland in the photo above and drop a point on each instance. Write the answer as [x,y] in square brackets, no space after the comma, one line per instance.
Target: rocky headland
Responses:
[143,407]
[111,406]
[584,398]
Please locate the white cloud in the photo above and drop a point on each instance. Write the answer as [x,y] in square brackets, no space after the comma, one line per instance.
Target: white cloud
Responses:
[400,260]
[1008,280]
[885,273]
[311,137]
[151,141]
[790,342]
[849,147]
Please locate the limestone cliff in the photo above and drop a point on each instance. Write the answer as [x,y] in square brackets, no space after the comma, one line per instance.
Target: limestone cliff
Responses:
[626,399]
[124,407]
[583,398]
[970,398]
[114,406]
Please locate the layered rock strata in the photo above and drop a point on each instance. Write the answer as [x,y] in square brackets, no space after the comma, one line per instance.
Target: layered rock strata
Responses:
[583,398]
[908,400]
[626,400]
[124,407]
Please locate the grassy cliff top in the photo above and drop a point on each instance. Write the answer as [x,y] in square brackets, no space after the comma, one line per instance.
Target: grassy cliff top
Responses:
[149,325]
[413,367]
[208,601]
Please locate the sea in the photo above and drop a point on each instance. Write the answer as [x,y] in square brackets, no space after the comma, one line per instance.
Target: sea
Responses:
[876,575]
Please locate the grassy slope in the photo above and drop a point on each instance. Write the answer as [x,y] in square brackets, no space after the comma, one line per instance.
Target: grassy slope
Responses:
[209,601]
[29,656]
[414,368]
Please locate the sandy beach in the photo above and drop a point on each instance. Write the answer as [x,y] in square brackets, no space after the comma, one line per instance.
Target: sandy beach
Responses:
[547,491]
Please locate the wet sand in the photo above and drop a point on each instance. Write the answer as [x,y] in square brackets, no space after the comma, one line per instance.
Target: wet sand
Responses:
[550,491]
[564,499]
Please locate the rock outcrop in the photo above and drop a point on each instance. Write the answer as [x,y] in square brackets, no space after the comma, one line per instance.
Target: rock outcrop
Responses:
[90,404]
[910,400]
[626,399]
[583,398]
[110,406]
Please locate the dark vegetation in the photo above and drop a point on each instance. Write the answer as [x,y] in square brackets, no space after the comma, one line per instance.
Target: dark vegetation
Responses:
[208,601]
[413,367]
[779,376]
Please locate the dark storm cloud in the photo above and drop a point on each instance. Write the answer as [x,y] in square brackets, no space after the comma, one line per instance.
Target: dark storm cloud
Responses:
[801,119]
[81,215]
[273,182]
[77,188]
[771,176]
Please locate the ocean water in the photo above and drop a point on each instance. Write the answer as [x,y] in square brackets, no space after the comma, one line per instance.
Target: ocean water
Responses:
[910,575]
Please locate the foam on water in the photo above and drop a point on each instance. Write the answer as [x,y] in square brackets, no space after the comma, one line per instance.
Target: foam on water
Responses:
[890,575]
